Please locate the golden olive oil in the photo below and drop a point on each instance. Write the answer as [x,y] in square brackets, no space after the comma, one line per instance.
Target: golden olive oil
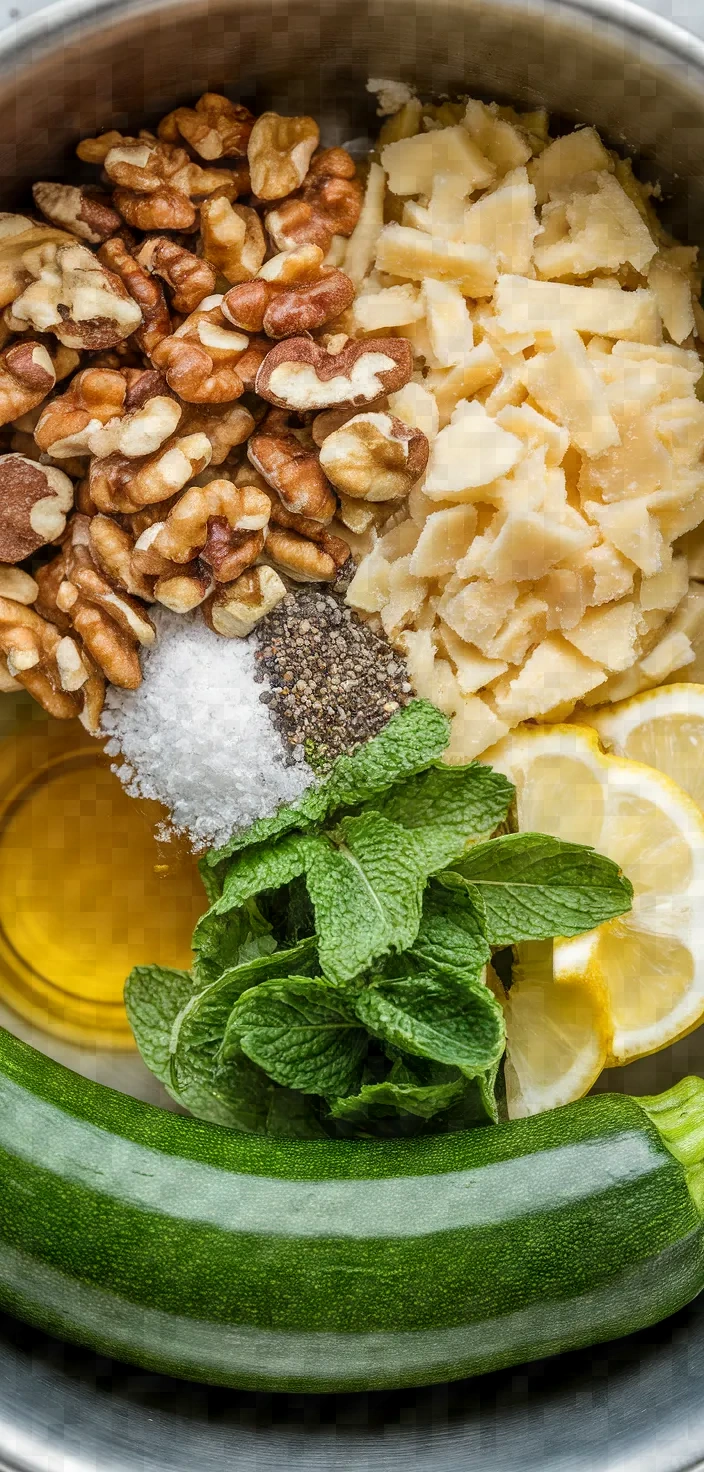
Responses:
[86,889]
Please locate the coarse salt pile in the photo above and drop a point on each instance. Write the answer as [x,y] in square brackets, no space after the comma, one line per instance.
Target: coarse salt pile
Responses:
[195,735]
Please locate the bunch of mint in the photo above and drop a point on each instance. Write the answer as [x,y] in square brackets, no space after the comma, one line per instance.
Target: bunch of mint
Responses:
[339,980]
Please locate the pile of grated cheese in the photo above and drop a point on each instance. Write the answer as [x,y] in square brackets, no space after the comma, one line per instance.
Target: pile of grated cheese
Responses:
[195,735]
[551,553]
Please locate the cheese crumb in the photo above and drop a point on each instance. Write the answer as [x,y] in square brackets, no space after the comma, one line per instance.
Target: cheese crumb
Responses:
[391,96]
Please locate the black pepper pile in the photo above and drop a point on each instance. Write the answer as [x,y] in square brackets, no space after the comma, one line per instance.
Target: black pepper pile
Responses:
[334,681]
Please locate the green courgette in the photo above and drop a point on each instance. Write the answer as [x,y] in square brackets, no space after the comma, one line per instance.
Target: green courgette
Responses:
[341,1265]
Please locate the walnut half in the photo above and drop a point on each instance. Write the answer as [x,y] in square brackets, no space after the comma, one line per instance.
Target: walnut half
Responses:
[301,375]
[73,296]
[375,457]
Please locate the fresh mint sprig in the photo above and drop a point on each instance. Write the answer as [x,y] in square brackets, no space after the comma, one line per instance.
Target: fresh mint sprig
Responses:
[533,887]
[339,980]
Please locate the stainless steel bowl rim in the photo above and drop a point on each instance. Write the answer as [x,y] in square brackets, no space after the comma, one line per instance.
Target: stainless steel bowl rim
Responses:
[636,1406]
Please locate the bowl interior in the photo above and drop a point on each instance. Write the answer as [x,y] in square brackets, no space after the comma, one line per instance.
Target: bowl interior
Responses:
[76,70]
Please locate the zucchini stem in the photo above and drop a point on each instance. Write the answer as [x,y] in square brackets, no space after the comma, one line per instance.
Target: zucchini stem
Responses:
[678,1116]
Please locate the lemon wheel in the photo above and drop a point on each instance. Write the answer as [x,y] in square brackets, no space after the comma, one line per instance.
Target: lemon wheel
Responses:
[643,972]
[664,728]
[557,1029]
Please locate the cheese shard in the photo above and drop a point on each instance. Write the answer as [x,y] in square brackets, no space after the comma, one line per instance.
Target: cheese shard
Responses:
[478,610]
[608,635]
[479,368]
[406,597]
[473,669]
[637,466]
[673,652]
[445,209]
[638,376]
[673,294]
[611,574]
[362,243]
[551,306]
[632,530]
[529,543]
[523,627]
[412,163]
[443,541]
[392,306]
[449,323]
[475,727]
[469,453]
[506,223]
[416,255]
[664,590]
[433,677]
[565,159]
[536,429]
[416,406]
[597,228]
[553,673]
[564,383]
[566,592]
[499,141]
[369,589]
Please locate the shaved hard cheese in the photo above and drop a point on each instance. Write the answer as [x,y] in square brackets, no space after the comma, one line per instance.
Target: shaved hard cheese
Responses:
[411,164]
[564,383]
[552,330]
[551,306]
[415,255]
[469,453]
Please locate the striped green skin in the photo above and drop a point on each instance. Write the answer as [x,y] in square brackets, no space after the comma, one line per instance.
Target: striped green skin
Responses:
[340,1265]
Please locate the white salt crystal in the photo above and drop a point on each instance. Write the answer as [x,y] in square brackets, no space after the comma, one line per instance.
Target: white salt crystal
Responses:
[195,735]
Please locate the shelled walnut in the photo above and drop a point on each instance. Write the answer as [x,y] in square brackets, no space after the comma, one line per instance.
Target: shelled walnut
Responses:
[292,293]
[51,665]
[138,320]
[112,624]
[329,204]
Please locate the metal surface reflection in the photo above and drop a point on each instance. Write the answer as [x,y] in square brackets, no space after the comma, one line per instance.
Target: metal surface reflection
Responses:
[638,1405]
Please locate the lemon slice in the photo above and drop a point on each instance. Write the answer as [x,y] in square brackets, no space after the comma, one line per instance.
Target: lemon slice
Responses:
[664,728]
[557,1026]
[650,962]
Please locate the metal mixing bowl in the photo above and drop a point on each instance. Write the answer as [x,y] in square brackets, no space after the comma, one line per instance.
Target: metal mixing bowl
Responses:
[84,66]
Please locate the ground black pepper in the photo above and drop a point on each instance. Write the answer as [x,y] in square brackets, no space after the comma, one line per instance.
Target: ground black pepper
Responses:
[334,681]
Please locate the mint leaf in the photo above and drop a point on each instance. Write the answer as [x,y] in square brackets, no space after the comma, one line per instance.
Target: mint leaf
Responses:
[447,807]
[413,1099]
[211,880]
[535,887]
[301,816]
[207,1089]
[388,1100]
[266,866]
[366,893]
[154,996]
[242,1097]
[223,941]
[450,1021]
[451,940]
[293,1116]
[413,738]
[258,1106]
[302,1032]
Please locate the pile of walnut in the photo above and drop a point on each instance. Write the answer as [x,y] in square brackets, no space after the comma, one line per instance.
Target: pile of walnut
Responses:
[172,363]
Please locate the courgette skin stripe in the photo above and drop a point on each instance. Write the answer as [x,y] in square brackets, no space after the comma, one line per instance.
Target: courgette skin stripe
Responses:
[341,1265]
[191,1347]
[398,1206]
